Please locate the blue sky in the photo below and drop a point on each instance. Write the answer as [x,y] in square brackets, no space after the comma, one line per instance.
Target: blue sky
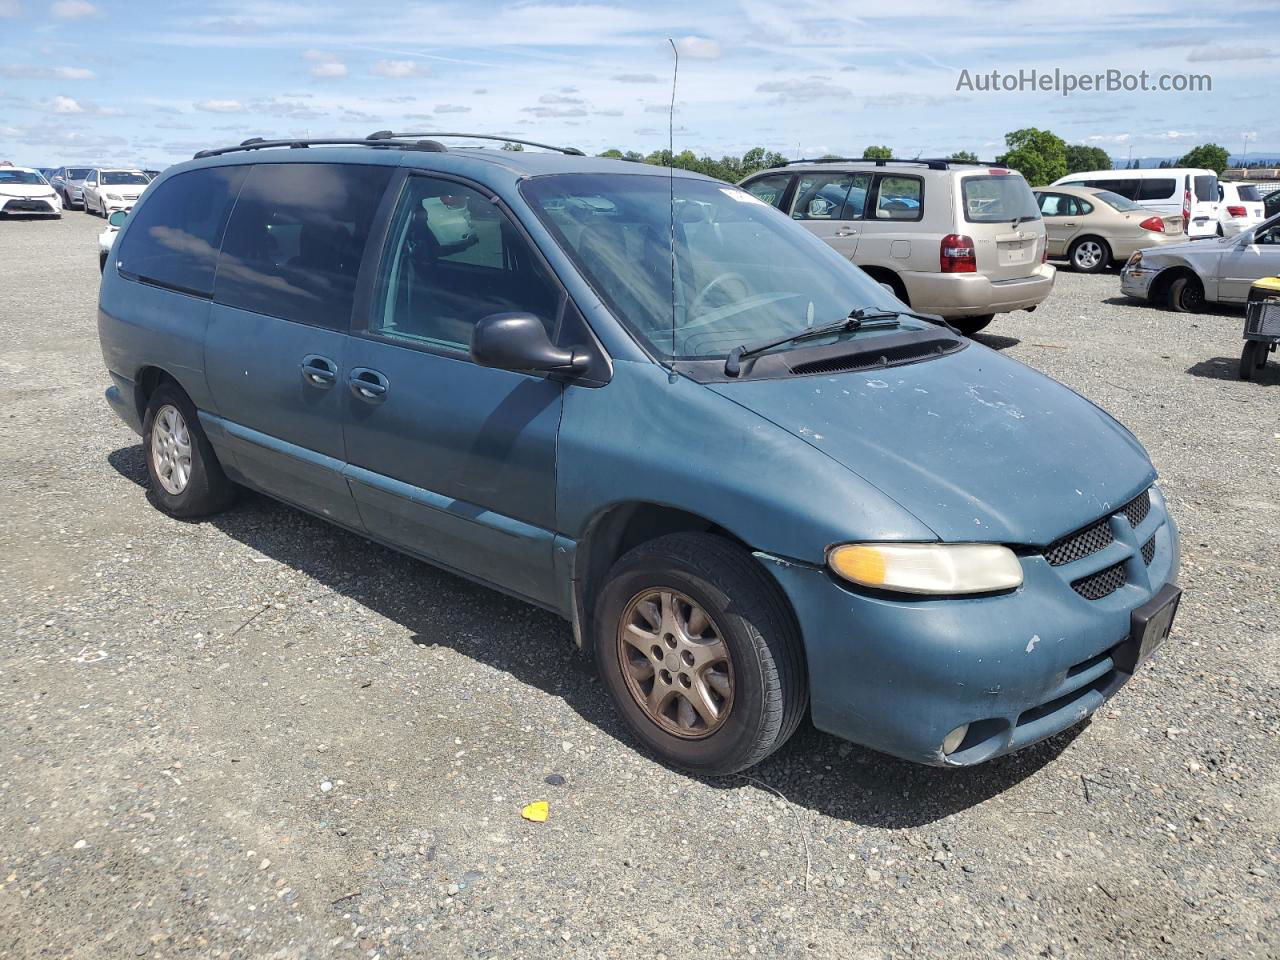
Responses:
[149,83]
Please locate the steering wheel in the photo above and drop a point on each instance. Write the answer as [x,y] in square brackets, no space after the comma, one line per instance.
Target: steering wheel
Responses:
[715,282]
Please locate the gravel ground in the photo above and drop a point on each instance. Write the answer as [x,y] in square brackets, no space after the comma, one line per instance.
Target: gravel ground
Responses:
[259,736]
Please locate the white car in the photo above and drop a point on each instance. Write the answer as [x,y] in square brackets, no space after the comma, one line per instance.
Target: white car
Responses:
[1186,276]
[1241,207]
[1193,192]
[107,190]
[107,238]
[24,192]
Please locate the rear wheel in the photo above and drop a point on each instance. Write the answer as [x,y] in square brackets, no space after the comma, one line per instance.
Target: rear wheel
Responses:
[971,325]
[696,646]
[186,478]
[1186,295]
[1089,255]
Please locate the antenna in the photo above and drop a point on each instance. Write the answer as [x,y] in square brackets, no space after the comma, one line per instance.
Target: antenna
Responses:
[671,183]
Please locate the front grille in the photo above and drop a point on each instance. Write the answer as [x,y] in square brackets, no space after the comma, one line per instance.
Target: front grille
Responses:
[1101,584]
[1136,510]
[27,206]
[1149,551]
[1081,544]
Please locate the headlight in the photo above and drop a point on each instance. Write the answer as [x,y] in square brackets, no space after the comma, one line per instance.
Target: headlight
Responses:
[113,196]
[1135,260]
[928,568]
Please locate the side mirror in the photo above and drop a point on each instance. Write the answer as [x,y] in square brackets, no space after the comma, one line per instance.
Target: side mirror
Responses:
[519,341]
[118,218]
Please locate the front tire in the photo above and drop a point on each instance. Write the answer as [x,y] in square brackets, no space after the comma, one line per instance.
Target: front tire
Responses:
[1186,295]
[186,478]
[700,653]
[1089,255]
[971,325]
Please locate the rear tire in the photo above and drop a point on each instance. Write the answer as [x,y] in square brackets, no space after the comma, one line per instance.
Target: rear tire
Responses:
[1089,255]
[971,325]
[1186,295]
[186,478]
[700,600]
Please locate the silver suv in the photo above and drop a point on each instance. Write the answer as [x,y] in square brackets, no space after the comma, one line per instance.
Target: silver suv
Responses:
[69,182]
[961,240]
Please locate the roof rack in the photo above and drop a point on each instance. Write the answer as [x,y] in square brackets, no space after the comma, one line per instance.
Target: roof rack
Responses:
[933,163]
[388,135]
[383,139]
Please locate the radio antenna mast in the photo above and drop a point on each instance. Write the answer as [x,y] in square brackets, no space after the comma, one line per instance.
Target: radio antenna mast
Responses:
[671,183]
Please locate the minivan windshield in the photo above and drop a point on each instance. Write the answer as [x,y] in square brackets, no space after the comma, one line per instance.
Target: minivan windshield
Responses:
[998,198]
[123,178]
[1114,200]
[743,271]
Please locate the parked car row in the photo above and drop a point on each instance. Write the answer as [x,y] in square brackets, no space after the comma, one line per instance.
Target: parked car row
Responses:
[756,483]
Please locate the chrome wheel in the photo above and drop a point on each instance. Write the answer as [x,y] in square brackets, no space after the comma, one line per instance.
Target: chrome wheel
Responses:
[1088,255]
[171,449]
[675,663]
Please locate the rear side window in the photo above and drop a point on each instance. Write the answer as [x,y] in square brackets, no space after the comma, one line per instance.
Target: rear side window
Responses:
[1157,188]
[1207,188]
[998,198]
[1248,193]
[173,236]
[296,238]
[770,189]
[902,198]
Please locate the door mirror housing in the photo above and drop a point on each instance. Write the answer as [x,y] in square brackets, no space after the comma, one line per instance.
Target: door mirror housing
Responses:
[118,218]
[519,341]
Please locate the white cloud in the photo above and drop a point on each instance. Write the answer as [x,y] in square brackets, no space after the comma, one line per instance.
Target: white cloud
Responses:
[698,48]
[328,65]
[452,108]
[219,106]
[546,112]
[10,8]
[636,78]
[73,73]
[73,9]
[329,70]
[399,68]
[32,71]
[65,105]
[813,88]
[556,98]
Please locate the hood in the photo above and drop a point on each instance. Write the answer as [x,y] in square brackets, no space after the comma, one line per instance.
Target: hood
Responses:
[975,445]
[1183,248]
[40,190]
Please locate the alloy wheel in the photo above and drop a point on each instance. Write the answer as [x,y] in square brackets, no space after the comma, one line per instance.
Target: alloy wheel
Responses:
[171,449]
[675,663]
[1088,254]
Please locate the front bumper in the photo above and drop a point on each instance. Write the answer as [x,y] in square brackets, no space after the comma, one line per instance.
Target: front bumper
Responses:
[124,203]
[898,674]
[30,206]
[974,294]
[1137,283]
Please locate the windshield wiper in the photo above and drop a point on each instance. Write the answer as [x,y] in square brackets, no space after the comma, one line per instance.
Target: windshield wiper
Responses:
[856,320]
[1018,220]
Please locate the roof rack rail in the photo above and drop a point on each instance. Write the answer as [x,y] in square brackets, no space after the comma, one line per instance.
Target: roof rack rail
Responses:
[933,163]
[388,135]
[381,139]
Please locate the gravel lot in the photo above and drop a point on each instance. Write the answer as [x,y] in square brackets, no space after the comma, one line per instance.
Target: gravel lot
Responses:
[259,736]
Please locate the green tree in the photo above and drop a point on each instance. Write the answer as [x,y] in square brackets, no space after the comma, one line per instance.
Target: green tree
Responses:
[963,156]
[877,153]
[1039,155]
[1207,156]
[1081,158]
[612,154]
[513,147]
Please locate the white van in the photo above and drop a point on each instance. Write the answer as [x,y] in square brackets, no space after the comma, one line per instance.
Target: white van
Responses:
[1193,193]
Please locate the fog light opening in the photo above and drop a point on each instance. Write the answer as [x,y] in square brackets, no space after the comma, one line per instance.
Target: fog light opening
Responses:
[951,742]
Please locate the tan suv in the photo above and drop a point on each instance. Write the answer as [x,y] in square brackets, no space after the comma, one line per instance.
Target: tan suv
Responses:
[958,239]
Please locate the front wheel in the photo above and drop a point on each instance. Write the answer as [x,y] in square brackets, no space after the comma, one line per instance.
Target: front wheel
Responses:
[1186,295]
[1089,255]
[700,653]
[971,325]
[186,478]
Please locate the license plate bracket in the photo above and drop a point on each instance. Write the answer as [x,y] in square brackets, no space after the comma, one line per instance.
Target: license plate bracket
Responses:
[1149,628]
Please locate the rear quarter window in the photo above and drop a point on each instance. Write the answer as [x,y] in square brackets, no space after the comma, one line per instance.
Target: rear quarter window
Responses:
[173,236]
[899,198]
[296,239]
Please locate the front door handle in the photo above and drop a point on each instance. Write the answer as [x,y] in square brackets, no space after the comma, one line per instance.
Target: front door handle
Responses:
[368,385]
[845,232]
[318,371]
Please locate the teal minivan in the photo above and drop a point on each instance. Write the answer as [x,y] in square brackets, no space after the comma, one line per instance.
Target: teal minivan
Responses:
[755,483]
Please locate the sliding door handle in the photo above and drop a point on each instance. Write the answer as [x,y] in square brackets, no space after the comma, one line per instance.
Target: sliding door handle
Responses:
[318,371]
[368,385]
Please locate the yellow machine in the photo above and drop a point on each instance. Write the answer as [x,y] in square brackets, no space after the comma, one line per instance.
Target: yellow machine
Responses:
[1261,325]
